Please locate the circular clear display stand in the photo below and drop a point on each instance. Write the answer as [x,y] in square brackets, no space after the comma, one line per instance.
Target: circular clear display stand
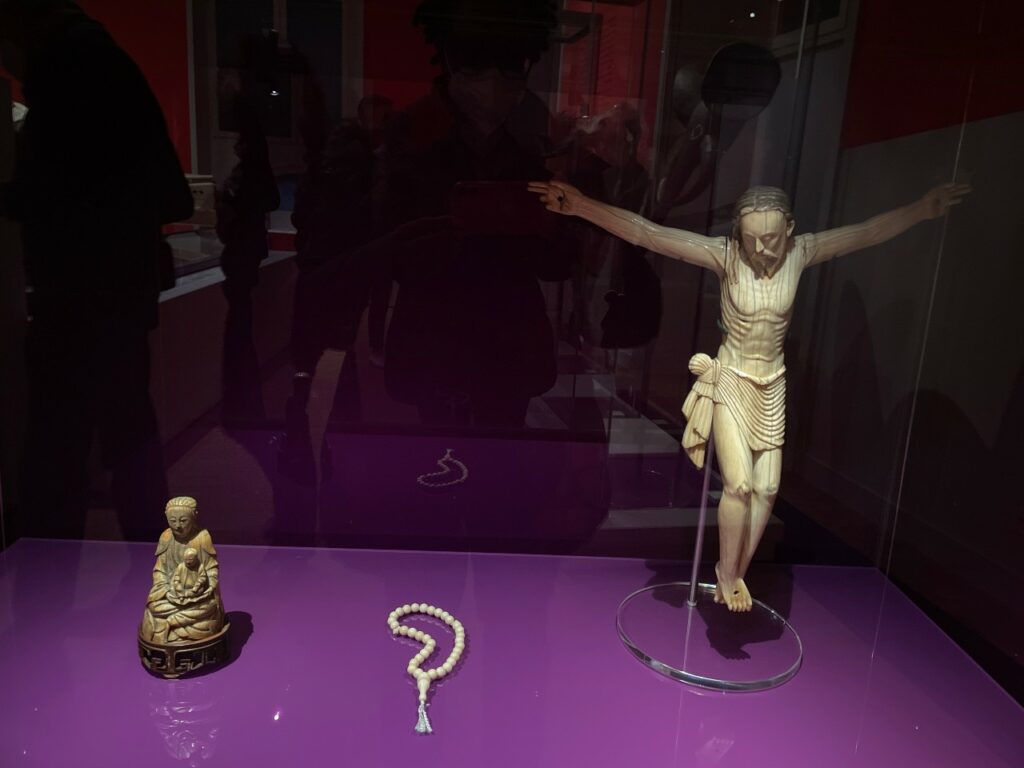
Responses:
[706,644]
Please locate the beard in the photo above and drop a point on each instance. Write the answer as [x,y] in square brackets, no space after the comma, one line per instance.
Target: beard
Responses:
[766,261]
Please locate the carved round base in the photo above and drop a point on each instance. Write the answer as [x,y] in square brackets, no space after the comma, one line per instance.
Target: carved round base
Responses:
[173,661]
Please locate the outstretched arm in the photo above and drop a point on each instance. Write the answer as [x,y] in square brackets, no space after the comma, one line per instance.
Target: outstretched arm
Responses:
[885,226]
[708,252]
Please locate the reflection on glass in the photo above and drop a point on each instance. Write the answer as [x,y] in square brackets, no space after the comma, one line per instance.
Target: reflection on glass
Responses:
[185,713]
[369,334]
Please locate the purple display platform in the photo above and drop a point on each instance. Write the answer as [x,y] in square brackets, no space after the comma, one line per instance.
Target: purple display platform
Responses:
[319,680]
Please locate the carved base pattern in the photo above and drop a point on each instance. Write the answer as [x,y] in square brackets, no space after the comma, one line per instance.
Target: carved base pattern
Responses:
[172,661]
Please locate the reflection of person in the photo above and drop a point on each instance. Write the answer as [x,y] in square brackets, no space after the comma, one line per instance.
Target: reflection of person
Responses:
[91,188]
[740,394]
[469,341]
[374,114]
[333,220]
[176,612]
[607,169]
[711,109]
[245,198]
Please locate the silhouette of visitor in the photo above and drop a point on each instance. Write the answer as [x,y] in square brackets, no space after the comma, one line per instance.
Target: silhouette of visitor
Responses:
[243,201]
[470,342]
[333,220]
[96,176]
[612,278]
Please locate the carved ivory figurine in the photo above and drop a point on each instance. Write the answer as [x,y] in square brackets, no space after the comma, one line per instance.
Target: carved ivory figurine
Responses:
[739,396]
[183,627]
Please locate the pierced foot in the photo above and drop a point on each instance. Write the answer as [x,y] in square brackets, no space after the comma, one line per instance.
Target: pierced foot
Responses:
[730,591]
[745,600]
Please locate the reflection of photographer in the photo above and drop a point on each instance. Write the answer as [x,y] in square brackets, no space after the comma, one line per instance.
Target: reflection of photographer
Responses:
[470,342]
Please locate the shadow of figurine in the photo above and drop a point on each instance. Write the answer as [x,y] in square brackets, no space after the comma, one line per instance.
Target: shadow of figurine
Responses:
[91,189]
[729,633]
[469,341]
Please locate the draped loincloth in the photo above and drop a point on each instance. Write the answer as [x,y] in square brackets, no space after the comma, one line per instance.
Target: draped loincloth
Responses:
[758,404]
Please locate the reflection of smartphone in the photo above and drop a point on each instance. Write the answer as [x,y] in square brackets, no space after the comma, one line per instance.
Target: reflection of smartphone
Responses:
[500,208]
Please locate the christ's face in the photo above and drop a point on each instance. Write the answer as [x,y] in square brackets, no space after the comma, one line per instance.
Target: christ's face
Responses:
[764,237]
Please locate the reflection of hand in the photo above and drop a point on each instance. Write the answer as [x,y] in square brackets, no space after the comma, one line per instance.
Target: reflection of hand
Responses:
[938,200]
[558,196]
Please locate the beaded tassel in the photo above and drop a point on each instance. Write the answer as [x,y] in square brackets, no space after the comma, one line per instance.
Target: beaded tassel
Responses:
[423,722]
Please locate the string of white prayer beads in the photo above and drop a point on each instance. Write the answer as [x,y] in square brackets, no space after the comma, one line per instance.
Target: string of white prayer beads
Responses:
[421,676]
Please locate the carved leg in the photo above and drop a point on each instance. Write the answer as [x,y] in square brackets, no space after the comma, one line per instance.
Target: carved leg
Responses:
[766,475]
[736,464]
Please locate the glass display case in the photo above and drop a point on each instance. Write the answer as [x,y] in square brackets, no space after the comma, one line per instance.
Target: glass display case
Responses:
[525,309]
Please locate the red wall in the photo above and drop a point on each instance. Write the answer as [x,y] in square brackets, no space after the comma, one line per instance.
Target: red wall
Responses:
[15,86]
[396,61]
[155,34]
[919,65]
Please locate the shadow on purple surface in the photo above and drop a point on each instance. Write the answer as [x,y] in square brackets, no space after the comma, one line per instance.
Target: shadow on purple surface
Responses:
[729,633]
[241,631]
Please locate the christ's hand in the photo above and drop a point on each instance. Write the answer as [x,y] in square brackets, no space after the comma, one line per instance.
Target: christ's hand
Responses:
[558,196]
[938,200]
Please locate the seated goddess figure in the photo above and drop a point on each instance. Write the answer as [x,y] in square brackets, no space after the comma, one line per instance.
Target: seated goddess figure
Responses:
[184,604]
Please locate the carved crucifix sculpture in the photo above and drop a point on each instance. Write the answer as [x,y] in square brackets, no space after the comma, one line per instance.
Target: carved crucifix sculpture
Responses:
[739,395]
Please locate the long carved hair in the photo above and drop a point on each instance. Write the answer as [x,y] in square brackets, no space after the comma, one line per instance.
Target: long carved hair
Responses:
[753,200]
[760,199]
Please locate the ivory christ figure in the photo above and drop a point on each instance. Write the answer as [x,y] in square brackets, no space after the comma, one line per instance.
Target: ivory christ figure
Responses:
[739,395]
